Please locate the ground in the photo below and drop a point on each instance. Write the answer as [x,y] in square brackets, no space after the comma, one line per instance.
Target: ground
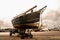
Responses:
[36,36]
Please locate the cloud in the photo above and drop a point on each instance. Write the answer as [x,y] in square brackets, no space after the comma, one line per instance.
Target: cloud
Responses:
[52,19]
[4,24]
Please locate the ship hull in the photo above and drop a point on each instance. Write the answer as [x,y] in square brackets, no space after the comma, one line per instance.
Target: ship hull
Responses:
[27,26]
[27,21]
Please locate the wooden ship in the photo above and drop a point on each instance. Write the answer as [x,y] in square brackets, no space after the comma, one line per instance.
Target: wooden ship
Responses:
[26,21]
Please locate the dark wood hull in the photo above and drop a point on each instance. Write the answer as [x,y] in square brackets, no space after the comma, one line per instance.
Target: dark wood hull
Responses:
[27,26]
[28,18]
[25,20]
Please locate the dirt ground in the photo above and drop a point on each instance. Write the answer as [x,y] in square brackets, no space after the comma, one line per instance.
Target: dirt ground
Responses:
[36,36]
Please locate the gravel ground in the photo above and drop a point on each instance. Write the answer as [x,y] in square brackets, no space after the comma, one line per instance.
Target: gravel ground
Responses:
[36,36]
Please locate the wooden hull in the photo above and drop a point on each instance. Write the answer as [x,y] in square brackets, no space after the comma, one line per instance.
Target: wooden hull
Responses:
[27,21]
[27,26]
[28,18]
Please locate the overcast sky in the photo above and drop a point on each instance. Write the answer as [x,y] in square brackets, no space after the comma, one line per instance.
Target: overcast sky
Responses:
[11,8]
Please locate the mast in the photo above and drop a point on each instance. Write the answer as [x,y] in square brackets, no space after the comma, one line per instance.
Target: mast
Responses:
[41,11]
[31,9]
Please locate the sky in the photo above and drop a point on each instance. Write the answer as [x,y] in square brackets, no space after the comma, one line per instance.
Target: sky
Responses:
[11,8]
